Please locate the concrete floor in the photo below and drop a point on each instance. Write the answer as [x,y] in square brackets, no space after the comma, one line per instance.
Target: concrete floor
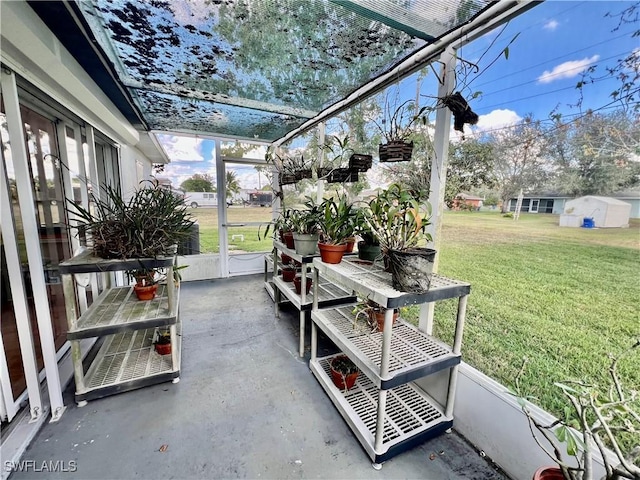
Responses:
[246,406]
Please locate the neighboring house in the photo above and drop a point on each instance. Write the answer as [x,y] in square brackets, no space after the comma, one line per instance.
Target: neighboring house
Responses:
[632,197]
[552,202]
[470,201]
[547,202]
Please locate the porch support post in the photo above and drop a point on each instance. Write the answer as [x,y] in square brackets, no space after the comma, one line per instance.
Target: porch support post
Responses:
[439,173]
[221,186]
[320,184]
[32,242]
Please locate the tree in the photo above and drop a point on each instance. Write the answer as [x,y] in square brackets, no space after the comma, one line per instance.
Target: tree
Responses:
[597,154]
[470,166]
[233,186]
[520,161]
[626,70]
[199,182]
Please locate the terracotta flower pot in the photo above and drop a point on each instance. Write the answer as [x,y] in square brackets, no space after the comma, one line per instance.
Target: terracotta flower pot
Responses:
[297,283]
[286,259]
[287,237]
[341,380]
[288,274]
[331,253]
[548,473]
[378,317]
[163,348]
[350,244]
[146,292]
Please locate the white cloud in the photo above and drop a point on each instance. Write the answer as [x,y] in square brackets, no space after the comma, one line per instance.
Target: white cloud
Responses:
[567,69]
[181,149]
[551,25]
[496,119]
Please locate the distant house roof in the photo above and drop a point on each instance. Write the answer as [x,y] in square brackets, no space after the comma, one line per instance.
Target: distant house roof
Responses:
[627,194]
[467,196]
[607,200]
[630,194]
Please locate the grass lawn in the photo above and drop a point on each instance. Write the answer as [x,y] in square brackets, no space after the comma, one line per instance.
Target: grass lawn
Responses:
[559,299]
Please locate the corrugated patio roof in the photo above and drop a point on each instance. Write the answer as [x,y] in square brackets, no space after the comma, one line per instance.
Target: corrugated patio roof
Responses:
[258,68]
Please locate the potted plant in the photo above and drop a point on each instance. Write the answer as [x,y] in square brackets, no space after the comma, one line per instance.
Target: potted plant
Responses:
[336,226]
[396,127]
[344,372]
[398,219]
[297,283]
[291,169]
[282,227]
[368,246]
[149,225]
[304,223]
[594,418]
[163,342]
[373,315]
[146,283]
[341,154]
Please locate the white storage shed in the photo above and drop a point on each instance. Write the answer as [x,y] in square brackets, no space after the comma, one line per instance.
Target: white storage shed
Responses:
[605,212]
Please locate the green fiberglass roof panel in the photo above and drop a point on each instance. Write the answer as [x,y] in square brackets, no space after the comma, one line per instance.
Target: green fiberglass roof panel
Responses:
[180,114]
[251,62]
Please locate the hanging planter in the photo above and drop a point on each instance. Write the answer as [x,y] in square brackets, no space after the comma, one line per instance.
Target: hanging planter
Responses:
[302,174]
[341,175]
[359,162]
[287,178]
[411,269]
[395,151]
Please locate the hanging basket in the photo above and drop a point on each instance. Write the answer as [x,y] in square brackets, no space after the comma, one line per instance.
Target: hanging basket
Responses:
[287,178]
[359,162]
[338,175]
[302,174]
[397,151]
[411,269]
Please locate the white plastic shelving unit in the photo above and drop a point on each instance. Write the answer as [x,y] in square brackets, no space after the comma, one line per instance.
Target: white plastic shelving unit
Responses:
[327,293]
[386,409]
[127,326]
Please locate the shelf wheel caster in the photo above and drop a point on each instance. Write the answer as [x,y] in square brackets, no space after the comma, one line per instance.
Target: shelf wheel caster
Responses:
[175,380]
[82,403]
[376,466]
[448,430]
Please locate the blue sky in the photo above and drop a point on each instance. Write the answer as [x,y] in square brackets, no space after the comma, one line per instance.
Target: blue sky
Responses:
[557,41]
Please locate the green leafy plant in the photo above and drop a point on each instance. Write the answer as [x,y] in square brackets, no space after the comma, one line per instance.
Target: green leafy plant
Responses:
[362,228]
[283,223]
[593,419]
[398,218]
[164,337]
[306,220]
[399,122]
[336,220]
[344,365]
[150,224]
